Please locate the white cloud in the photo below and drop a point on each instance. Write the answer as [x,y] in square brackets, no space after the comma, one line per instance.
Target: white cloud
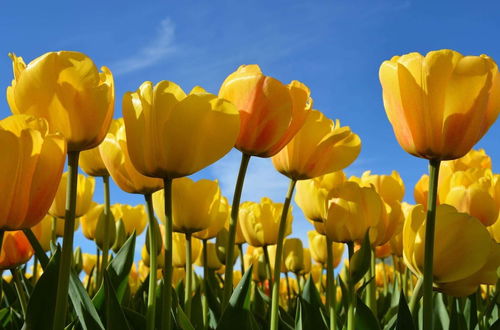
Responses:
[151,53]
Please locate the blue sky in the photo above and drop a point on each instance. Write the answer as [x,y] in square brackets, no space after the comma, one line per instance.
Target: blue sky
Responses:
[335,47]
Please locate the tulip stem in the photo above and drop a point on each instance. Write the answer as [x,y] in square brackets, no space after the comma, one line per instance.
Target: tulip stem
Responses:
[233,223]
[288,293]
[429,243]
[242,261]
[105,243]
[330,285]
[189,276]
[23,300]
[415,297]
[279,252]
[151,309]
[352,291]
[67,249]
[166,319]
[371,294]
[268,266]
[384,275]
[205,284]
[40,254]
[53,228]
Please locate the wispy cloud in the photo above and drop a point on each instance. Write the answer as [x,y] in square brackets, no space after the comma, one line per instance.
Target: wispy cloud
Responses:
[152,52]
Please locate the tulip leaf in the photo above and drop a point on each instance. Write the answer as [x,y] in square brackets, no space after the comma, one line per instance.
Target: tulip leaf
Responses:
[42,303]
[115,317]
[237,314]
[364,318]
[360,262]
[118,270]
[404,320]
[310,313]
[84,308]
[136,320]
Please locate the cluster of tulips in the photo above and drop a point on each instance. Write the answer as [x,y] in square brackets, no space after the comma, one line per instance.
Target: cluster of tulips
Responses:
[431,265]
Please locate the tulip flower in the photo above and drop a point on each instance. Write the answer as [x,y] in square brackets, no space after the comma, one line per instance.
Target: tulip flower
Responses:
[383,251]
[255,257]
[213,261]
[318,248]
[384,274]
[434,118]
[179,256]
[85,192]
[61,224]
[16,250]
[133,217]
[390,224]
[44,230]
[260,222]
[390,187]
[293,255]
[219,218]
[89,262]
[33,161]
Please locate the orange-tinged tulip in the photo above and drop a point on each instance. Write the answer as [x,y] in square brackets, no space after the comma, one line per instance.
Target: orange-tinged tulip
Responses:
[452,261]
[311,194]
[91,161]
[440,104]
[390,187]
[171,134]
[68,91]
[43,232]
[321,146]
[390,224]
[271,113]
[114,154]
[318,248]
[473,159]
[382,270]
[352,211]
[16,249]
[31,167]
[396,242]
[383,251]
[84,194]
[260,222]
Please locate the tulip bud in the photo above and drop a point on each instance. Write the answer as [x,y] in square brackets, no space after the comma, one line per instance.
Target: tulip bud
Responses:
[293,255]
[102,223]
[121,236]
[156,231]
[221,244]
[77,260]
[84,193]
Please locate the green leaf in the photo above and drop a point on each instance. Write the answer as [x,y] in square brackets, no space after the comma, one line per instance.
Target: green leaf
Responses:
[441,318]
[115,317]
[183,320]
[311,312]
[360,262]
[136,320]
[42,304]
[237,314]
[404,320]
[364,318]
[118,270]
[84,308]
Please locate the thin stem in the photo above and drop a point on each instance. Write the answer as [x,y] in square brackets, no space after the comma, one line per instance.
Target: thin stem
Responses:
[372,286]
[40,254]
[352,298]
[330,285]
[53,230]
[415,297]
[288,291]
[233,223]
[240,247]
[299,284]
[35,270]
[67,249]
[21,294]
[268,266]
[189,276]
[384,274]
[105,243]
[166,319]
[151,309]
[429,243]
[277,260]
[98,264]
[205,284]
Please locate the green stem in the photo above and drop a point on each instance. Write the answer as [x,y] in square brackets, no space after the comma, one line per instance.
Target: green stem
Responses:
[153,260]
[39,252]
[352,297]
[277,260]
[268,266]
[105,243]
[415,297]
[97,265]
[67,249]
[372,286]
[53,230]
[299,284]
[205,284]
[330,285]
[429,243]
[35,271]
[288,291]
[189,276]
[240,247]
[384,274]
[21,294]
[166,319]
[233,223]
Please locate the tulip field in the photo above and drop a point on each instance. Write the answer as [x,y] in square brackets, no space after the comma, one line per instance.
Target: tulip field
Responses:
[372,259]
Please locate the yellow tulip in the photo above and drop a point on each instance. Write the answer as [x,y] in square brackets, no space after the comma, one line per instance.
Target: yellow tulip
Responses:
[382,270]
[114,154]
[461,244]
[473,159]
[260,222]
[179,249]
[195,205]
[271,113]
[133,217]
[60,223]
[307,262]
[396,242]
[442,104]
[89,220]
[212,259]
[293,255]
[311,194]
[219,219]
[84,194]
[318,248]
[390,224]
[352,211]
[255,257]
[15,250]
[44,230]
[321,146]
[390,187]
[89,262]
[68,91]
[271,249]
[31,166]
[383,251]
[145,256]
[91,161]
[236,277]
[171,134]
[221,244]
